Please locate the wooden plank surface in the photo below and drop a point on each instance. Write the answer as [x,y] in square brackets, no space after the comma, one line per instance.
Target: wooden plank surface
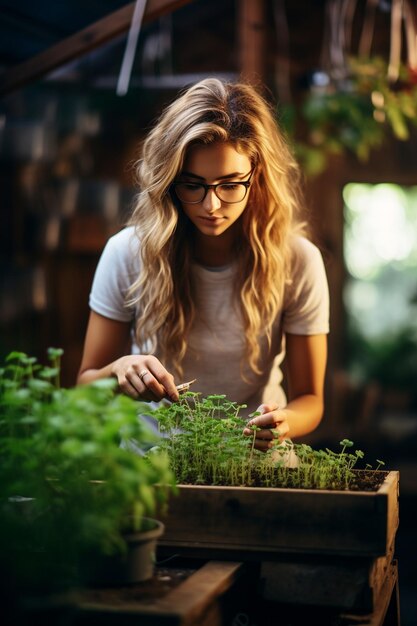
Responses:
[284,520]
[192,602]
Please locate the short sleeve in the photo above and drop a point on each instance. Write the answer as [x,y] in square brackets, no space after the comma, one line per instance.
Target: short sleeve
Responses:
[306,301]
[116,271]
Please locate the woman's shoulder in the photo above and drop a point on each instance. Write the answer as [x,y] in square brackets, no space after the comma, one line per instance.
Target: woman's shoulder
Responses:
[122,251]
[124,243]
[303,250]
[124,240]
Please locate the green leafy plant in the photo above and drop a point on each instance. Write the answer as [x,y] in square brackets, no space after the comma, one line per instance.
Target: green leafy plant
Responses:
[357,114]
[66,482]
[205,443]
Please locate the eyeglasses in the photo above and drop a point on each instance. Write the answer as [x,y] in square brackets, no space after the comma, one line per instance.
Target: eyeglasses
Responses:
[230,192]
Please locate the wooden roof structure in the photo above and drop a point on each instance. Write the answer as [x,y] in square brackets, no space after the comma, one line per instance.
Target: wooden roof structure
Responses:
[100,32]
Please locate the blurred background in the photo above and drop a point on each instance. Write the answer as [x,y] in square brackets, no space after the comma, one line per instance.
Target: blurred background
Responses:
[342,77]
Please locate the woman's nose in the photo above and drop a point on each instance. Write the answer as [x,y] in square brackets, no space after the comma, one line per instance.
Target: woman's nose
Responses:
[211,202]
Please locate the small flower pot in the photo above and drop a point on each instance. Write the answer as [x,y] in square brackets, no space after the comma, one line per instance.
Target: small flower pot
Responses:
[135,565]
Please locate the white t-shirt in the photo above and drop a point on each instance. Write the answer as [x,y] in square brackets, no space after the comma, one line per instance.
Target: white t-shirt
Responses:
[216,340]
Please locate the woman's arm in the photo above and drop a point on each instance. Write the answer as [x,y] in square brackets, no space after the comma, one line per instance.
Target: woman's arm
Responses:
[106,353]
[306,358]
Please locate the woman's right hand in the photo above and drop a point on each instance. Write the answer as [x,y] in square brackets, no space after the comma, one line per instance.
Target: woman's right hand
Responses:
[144,376]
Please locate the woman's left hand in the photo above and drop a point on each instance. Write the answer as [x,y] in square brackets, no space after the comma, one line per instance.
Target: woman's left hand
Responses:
[273,424]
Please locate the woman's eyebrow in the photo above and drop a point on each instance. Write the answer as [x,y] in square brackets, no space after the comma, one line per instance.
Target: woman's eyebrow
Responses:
[232,175]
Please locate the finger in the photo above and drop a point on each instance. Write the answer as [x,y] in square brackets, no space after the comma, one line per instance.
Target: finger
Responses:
[164,379]
[168,383]
[136,380]
[263,446]
[269,419]
[283,429]
[128,388]
[267,408]
[135,384]
[275,434]
[151,386]
[148,396]
[263,421]
[265,433]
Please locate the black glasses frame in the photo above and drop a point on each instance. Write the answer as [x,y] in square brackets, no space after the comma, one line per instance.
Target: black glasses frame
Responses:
[244,183]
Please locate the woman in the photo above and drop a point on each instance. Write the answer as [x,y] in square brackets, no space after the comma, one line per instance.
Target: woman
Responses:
[213,278]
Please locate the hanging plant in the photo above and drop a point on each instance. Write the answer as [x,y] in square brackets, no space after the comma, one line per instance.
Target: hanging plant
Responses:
[356,99]
[357,114]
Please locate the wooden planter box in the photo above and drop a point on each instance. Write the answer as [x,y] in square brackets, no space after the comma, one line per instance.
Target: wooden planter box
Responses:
[332,548]
[270,521]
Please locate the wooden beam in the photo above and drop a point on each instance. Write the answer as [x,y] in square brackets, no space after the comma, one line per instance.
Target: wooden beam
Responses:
[252,34]
[99,33]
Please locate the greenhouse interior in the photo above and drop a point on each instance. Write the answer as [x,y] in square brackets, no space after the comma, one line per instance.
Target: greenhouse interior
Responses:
[227,190]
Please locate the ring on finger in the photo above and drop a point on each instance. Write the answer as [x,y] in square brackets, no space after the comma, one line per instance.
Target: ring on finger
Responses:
[142,374]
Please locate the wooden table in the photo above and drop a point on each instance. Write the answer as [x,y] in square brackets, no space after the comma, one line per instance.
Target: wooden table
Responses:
[211,596]
[213,593]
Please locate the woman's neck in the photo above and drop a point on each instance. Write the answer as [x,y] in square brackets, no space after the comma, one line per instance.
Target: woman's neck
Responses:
[214,251]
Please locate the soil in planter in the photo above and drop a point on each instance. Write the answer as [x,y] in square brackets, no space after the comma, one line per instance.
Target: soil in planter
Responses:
[362,480]
[367,480]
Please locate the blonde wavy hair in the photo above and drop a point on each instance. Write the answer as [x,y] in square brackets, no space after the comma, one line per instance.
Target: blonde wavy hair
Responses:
[212,111]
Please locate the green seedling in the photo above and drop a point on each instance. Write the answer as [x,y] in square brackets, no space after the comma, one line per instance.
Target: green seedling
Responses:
[205,444]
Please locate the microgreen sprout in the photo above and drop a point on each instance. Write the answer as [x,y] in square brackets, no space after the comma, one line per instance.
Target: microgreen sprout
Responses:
[205,444]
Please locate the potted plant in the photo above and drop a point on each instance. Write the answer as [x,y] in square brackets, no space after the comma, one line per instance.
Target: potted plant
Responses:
[356,114]
[237,502]
[70,492]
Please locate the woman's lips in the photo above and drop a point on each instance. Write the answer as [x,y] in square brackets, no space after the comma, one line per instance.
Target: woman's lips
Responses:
[212,220]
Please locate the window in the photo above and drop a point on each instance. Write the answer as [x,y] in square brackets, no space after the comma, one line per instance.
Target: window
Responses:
[380,251]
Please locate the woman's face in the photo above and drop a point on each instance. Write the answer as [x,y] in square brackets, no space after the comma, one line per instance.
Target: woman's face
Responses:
[215,163]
